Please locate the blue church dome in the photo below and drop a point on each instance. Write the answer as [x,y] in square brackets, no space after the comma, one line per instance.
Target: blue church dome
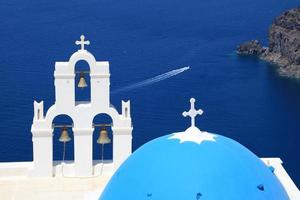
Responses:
[193,165]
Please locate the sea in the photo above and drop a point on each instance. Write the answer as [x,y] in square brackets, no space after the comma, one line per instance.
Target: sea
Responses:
[146,41]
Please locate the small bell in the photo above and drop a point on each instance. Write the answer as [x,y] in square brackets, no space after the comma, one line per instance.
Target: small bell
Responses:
[103,137]
[64,137]
[82,82]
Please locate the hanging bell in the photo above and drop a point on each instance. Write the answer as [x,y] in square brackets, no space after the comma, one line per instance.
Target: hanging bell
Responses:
[103,137]
[64,137]
[82,82]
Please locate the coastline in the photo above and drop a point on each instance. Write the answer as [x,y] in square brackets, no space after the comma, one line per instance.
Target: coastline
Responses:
[284,45]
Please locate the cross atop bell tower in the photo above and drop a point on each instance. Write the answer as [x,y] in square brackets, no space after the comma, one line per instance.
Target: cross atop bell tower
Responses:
[192,113]
[82,42]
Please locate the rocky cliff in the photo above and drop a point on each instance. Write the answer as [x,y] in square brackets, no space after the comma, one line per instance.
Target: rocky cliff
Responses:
[284,44]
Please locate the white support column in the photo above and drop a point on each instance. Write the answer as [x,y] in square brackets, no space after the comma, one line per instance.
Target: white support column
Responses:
[122,147]
[42,153]
[83,151]
[100,83]
[64,90]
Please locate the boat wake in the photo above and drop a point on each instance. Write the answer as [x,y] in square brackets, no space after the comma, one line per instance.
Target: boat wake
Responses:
[151,81]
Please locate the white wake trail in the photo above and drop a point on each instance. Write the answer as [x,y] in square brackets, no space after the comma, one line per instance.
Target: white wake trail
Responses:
[150,81]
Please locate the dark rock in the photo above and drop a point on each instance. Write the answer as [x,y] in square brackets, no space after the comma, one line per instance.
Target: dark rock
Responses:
[252,47]
[284,44]
[284,36]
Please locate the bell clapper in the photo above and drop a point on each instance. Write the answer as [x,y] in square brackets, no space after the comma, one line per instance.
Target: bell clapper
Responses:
[64,152]
[64,138]
[103,139]
[102,159]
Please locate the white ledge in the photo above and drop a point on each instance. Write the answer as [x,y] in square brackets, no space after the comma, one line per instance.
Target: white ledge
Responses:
[290,187]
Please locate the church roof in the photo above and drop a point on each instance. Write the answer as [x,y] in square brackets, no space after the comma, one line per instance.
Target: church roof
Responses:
[193,165]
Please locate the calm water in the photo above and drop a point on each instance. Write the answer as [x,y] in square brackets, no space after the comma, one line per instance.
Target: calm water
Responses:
[243,98]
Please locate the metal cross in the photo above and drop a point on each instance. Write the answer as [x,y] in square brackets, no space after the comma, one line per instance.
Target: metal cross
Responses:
[82,42]
[192,113]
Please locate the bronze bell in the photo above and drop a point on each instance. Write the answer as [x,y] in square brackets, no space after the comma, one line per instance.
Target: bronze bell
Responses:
[82,82]
[64,137]
[103,137]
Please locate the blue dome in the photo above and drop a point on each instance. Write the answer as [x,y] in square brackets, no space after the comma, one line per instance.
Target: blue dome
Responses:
[167,168]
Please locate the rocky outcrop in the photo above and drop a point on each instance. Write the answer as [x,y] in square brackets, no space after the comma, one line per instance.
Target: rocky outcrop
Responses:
[252,47]
[284,44]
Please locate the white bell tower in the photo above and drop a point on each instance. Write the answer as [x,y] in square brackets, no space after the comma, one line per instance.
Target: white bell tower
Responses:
[82,114]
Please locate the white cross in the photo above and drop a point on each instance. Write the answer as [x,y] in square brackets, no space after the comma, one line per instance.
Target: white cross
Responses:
[82,42]
[192,113]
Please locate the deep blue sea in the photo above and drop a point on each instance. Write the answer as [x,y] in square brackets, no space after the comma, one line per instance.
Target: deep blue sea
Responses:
[242,98]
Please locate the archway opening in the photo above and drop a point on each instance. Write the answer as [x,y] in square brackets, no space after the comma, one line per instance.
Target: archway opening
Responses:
[102,150]
[82,82]
[63,138]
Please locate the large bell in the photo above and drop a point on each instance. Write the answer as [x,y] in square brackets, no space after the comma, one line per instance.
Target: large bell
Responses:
[64,137]
[103,137]
[82,82]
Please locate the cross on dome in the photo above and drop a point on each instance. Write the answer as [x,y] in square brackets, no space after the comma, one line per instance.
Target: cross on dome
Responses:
[192,113]
[82,42]
[193,134]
